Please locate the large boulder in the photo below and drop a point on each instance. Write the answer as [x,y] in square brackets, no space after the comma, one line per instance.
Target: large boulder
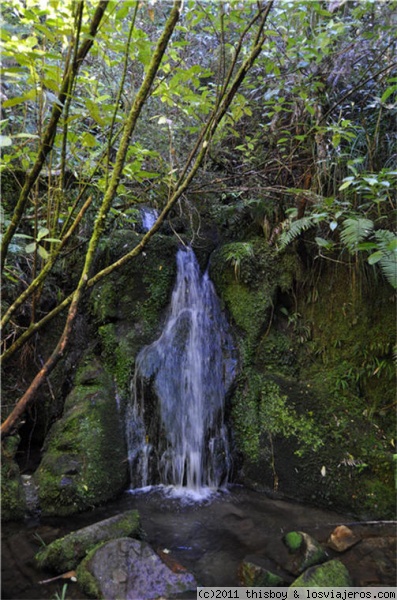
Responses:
[65,553]
[85,459]
[130,569]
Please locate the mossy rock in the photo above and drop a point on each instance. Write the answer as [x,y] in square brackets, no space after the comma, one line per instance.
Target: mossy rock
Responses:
[293,540]
[329,348]
[13,502]
[330,574]
[127,308]
[85,458]
[254,572]
[305,551]
[248,292]
[65,553]
[129,568]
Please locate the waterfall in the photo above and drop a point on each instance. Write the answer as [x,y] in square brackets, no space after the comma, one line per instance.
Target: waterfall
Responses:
[175,427]
[149,217]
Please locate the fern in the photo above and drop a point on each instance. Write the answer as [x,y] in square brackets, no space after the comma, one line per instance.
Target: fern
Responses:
[235,253]
[296,228]
[355,231]
[386,255]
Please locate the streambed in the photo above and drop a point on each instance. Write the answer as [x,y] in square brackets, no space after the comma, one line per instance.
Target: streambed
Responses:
[209,538]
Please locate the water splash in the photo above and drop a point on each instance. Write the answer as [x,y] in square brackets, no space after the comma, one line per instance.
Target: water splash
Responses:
[176,432]
[149,217]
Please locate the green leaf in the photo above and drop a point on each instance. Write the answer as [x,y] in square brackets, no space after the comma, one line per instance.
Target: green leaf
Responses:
[323,243]
[43,231]
[355,231]
[388,93]
[296,228]
[5,140]
[371,180]
[53,240]
[26,135]
[375,257]
[31,95]
[29,248]
[42,252]
[346,183]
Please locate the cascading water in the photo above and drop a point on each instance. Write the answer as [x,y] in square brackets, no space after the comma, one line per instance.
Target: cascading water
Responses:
[175,427]
[149,217]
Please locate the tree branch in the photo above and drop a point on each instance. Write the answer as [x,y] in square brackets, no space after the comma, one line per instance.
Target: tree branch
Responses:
[11,421]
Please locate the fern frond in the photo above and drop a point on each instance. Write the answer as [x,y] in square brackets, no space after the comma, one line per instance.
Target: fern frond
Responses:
[235,253]
[355,231]
[296,228]
[387,244]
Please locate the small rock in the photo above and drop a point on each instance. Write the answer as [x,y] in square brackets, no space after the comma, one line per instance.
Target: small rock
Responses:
[342,538]
[330,574]
[253,572]
[305,551]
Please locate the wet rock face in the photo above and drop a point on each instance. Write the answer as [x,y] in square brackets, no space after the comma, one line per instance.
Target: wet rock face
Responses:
[130,569]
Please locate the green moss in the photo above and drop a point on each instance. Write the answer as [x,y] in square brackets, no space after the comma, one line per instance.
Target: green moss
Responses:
[249,293]
[260,410]
[377,499]
[104,301]
[276,352]
[253,575]
[13,504]
[87,581]
[293,540]
[117,355]
[349,363]
[330,574]
[158,282]
[65,553]
[84,463]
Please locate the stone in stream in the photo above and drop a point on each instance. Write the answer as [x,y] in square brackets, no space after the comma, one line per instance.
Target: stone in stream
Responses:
[342,538]
[129,569]
[305,552]
[65,553]
[330,574]
[254,571]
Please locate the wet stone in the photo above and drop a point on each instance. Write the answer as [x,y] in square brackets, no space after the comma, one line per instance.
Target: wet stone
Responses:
[342,538]
[330,574]
[305,552]
[254,572]
[110,572]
